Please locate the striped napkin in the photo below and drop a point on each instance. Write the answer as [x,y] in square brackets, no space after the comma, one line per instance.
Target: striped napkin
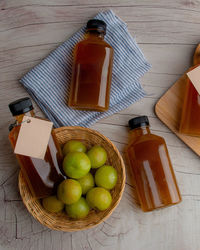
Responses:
[49,82]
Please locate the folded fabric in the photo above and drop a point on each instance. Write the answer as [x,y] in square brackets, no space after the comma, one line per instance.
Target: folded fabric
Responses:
[49,82]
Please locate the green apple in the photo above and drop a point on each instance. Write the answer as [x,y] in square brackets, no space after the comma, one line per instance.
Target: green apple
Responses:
[69,191]
[99,198]
[52,204]
[98,156]
[74,146]
[106,177]
[78,210]
[87,182]
[76,165]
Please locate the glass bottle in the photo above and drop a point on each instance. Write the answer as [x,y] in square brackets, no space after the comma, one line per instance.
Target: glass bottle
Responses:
[190,118]
[151,167]
[42,176]
[92,70]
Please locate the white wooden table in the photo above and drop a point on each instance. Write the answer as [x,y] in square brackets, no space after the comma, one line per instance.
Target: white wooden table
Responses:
[167,32]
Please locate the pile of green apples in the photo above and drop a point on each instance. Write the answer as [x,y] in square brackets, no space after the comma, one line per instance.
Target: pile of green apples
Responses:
[88,182]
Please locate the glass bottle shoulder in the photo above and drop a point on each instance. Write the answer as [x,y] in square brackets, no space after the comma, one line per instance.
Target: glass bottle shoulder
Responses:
[13,134]
[147,139]
[88,41]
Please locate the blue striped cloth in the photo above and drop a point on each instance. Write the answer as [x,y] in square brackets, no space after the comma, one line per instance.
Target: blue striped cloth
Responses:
[49,82]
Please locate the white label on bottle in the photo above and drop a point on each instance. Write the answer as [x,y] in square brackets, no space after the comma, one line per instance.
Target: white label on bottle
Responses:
[33,137]
[194,76]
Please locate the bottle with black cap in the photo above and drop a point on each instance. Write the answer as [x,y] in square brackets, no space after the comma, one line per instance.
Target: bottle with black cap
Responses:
[92,70]
[151,166]
[42,176]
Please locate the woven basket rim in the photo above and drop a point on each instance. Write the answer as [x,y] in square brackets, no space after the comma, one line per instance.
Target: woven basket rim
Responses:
[47,223]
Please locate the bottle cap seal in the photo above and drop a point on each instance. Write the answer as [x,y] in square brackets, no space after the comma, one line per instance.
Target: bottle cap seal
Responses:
[20,106]
[96,24]
[138,122]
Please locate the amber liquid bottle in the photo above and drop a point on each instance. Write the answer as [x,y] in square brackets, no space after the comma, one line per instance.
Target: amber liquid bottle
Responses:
[42,176]
[190,118]
[92,70]
[151,167]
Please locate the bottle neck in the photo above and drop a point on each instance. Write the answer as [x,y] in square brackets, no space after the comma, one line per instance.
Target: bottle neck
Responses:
[95,33]
[19,118]
[137,132]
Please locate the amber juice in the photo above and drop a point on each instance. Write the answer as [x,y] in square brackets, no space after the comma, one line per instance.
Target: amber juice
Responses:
[91,73]
[190,118]
[152,170]
[42,176]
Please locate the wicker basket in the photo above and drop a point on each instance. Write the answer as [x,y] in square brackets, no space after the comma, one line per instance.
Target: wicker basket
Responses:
[61,221]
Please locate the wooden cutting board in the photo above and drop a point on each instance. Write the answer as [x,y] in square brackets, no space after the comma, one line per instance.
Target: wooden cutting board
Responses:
[169,108]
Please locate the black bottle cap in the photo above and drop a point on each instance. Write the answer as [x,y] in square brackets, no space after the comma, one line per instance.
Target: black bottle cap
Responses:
[139,121]
[97,24]
[20,106]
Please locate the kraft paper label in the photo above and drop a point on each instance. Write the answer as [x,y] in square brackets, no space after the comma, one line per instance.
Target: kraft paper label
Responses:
[33,137]
[194,76]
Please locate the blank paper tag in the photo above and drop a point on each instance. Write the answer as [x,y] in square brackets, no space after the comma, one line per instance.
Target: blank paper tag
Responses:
[33,137]
[194,76]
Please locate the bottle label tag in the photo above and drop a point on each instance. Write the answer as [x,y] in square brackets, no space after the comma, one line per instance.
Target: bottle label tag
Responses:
[33,137]
[194,76]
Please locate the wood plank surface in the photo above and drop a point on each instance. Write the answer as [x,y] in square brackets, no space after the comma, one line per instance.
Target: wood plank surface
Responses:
[167,32]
